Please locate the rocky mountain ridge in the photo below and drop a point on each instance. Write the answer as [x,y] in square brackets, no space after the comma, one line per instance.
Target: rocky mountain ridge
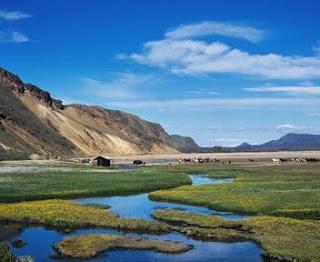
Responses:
[34,123]
[13,83]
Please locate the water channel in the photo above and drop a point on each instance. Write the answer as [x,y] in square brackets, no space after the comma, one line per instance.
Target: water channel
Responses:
[40,240]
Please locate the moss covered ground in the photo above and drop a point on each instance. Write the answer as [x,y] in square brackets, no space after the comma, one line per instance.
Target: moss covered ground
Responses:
[88,246]
[15,187]
[280,237]
[289,190]
[66,214]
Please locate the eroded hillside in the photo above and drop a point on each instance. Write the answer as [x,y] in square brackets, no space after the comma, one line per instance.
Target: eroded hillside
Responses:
[32,122]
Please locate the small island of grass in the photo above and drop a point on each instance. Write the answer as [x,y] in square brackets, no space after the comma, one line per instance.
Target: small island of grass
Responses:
[88,246]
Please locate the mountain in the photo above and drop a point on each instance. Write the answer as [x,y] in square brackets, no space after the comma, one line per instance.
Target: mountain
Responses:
[290,141]
[34,123]
[185,144]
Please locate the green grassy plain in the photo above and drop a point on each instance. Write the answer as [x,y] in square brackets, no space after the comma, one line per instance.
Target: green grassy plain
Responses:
[15,187]
[288,190]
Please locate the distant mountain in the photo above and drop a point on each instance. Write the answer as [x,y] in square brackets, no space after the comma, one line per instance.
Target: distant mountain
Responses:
[34,123]
[185,144]
[290,141]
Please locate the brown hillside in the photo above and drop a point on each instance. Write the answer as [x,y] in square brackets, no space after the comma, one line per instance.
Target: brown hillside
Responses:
[32,122]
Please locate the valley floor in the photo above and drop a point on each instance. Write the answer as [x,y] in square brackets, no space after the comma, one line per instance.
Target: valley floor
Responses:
[238,157]
[282,199]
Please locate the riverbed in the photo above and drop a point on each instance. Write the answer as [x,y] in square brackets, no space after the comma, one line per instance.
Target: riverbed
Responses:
[40,240]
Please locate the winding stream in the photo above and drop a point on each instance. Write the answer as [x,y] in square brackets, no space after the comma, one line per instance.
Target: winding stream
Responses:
[141,207]
[40,240]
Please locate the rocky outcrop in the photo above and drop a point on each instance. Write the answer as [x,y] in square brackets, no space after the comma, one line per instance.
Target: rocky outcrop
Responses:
[42,96]
[13,83]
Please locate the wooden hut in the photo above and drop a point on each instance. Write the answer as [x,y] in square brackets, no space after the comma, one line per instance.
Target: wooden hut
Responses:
[101,161]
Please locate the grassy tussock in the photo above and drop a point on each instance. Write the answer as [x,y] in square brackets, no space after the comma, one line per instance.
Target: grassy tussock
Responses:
[67,214]
[88,246]
[280,237]
[15,187]
[201,227]
[7,256]
[291,191]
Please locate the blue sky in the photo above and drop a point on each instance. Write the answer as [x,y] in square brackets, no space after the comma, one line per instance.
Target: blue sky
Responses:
[223,72]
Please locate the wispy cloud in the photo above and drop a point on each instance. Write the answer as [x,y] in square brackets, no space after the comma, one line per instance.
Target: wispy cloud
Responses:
[19,38]
[315,114]
[179,53]
[208,28]
[8,36]
[304,90]
[13,37]
[287,127]
[121,87]
[221,103]
[13,15]
[201,92]
[316,48]
[225,141]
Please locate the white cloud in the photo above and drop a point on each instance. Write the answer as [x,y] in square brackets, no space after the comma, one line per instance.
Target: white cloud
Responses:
[316,48]
[304,90]
[225,141]
[315,114]
[13,15]
[218,103]
[193,57]
[179,53]
[216,28]
[13,37]
[19,38]
[120,87]
[201,92]
[287,127]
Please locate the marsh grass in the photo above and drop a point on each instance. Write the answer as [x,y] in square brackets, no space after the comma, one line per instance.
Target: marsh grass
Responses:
[278,195]
[65,214]
[15,187]
[281,238]
[88,246]
[5,254]
[291,191]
